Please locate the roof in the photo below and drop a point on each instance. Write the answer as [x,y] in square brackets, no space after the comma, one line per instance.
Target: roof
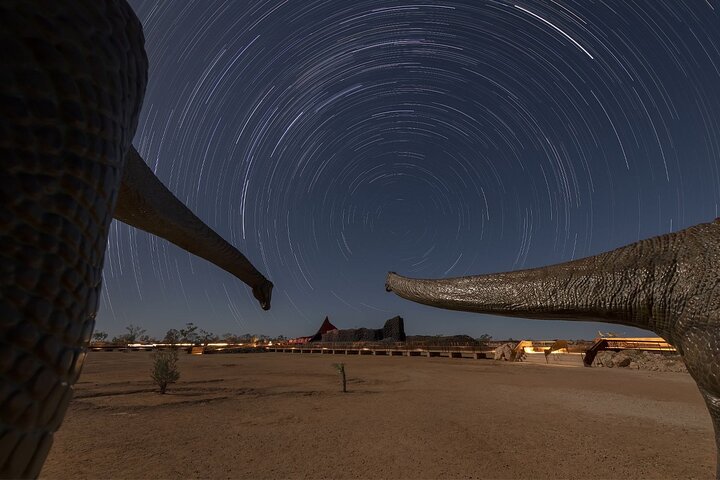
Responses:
[324,328]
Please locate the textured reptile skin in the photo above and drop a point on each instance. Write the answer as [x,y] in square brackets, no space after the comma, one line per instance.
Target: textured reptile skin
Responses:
[72,80]
[668,284]
[71,84]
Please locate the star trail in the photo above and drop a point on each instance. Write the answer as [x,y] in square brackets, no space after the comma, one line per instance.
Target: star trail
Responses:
[333,141]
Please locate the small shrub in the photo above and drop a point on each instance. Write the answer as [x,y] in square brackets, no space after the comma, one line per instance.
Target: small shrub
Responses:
[165,369]
[341,369]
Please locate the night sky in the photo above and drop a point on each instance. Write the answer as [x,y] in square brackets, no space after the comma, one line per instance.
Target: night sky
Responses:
[333,141]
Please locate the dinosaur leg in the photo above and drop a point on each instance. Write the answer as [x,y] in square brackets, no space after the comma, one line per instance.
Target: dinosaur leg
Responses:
[713,404]
[699,347]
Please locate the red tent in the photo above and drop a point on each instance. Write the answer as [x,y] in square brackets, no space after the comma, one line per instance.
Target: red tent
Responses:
[324,328]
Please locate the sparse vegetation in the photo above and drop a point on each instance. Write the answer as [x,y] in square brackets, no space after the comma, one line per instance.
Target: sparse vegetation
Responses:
[189,333]
[165,369]
[206,337]
[99,336]
[172,336]
[341,370]
[134,333]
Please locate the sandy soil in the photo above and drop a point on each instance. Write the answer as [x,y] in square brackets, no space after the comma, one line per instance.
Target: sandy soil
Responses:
[277,415]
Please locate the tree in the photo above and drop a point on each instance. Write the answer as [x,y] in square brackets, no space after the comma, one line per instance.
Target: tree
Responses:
[165,369]
[99,336]
[134,331]
[484,339]
[188,334]
[230,338]
[172,336]
[206,337]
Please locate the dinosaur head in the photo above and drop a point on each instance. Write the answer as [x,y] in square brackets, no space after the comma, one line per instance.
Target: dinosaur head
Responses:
[388,281]
[263,293]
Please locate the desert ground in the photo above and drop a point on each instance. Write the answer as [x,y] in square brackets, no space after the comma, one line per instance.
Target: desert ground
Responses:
[281,415]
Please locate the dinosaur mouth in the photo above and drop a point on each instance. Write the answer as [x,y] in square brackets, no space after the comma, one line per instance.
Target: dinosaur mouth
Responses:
[263,294]
[388,281]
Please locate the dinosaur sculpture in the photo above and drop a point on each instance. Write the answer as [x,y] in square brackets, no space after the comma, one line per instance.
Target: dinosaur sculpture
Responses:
[73,79]
[668,284]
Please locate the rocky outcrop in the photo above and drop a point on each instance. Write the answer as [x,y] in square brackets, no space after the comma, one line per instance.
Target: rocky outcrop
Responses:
[637,360]
[392,331]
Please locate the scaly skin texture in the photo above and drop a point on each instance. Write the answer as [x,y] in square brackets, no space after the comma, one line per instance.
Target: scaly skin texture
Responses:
[668,284]
[72,80]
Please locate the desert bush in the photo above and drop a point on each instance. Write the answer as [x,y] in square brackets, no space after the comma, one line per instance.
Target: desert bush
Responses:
[341,370]
[165,369]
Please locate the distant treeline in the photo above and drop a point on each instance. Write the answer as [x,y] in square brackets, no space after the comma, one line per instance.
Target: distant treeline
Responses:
[190,333]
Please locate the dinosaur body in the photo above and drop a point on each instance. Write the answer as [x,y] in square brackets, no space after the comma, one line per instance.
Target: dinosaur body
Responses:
[73,81]
[668,284]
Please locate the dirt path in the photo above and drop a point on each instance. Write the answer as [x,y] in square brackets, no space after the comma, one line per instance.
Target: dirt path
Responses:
[282,415]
